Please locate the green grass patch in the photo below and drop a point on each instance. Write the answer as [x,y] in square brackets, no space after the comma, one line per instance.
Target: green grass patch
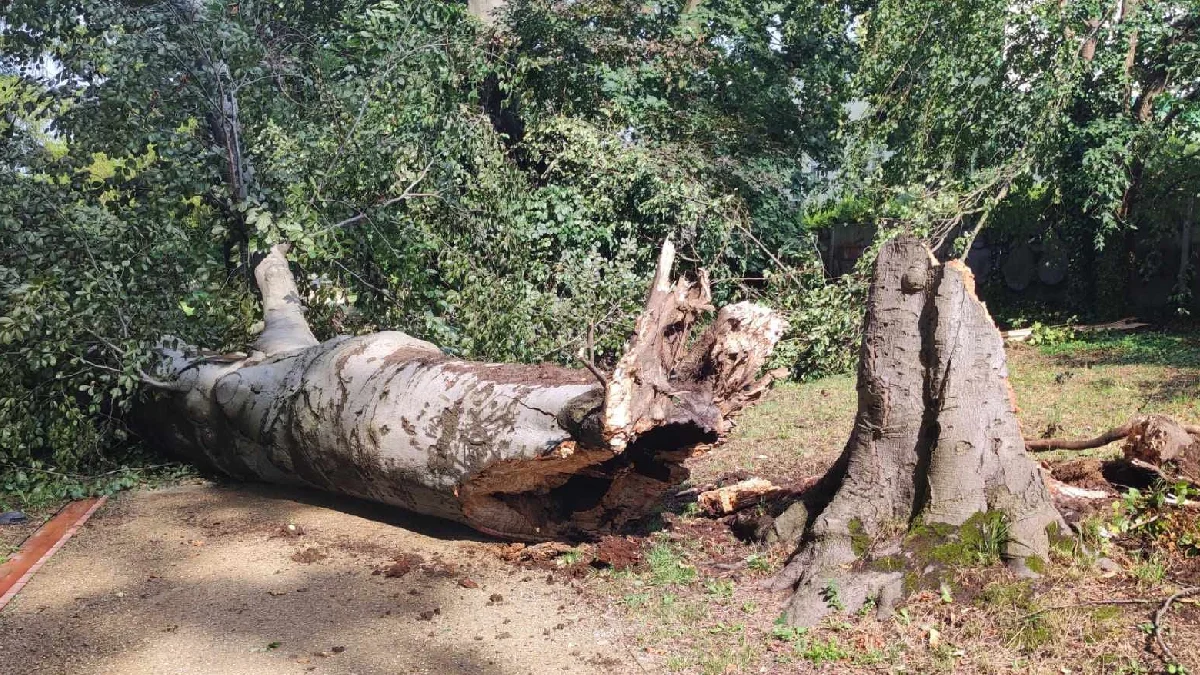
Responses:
[1164,349]
[667,566]
[720,589]
[1016,612]
[823,651]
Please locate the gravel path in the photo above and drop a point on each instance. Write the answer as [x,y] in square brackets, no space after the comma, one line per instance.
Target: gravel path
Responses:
[209,579]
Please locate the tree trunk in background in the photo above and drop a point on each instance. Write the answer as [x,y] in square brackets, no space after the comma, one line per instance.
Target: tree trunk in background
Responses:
[1182,277]
[528,452]
[935,441]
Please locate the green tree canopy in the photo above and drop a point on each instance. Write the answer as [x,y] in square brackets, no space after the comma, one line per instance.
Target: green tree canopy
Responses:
[1087,111]
[499,191]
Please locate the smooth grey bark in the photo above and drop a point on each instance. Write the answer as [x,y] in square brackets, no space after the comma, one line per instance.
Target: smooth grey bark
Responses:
[521,451]
[935,439]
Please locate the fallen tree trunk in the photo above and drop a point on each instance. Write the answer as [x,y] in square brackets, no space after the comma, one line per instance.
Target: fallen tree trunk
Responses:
[936,455]
[520,451]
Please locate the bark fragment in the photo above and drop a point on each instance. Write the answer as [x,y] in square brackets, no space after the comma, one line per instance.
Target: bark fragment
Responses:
[725,500]
[521,451]
[935,441]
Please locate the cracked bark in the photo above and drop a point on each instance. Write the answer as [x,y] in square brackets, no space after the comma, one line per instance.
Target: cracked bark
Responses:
[935,440]
[521,451]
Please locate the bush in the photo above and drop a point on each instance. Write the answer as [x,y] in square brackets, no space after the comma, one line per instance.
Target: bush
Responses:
[500,194]
[825,328]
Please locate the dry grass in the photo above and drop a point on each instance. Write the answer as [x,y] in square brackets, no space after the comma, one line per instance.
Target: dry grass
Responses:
[700,606]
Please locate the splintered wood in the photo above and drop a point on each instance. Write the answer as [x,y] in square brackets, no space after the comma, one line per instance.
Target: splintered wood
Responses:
[730,498]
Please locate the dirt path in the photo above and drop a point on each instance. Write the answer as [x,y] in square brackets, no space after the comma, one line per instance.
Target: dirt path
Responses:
[205,579]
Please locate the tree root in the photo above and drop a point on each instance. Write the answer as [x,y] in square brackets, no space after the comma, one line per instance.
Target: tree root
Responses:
[1155,441]
[1111,436]
[1159,619]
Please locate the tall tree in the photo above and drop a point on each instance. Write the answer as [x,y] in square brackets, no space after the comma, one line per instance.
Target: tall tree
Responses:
[980,104]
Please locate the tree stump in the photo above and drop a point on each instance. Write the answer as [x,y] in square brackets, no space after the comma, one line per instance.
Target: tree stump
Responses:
[935,442]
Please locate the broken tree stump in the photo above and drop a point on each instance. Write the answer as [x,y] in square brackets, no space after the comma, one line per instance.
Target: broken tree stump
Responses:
[936,446]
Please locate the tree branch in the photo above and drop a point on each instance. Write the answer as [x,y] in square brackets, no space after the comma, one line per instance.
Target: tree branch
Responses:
[1043,444]
[283,313]
[407,194]
[1110,436]
[1161,615]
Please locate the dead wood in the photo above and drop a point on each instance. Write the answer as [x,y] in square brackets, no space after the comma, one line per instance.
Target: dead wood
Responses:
[1126,324]
[1111,436]
[1156,441]
[522,451]
[728,499]
[1160,617]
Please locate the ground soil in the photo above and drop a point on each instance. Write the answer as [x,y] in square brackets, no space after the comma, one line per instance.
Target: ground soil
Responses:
[210,579]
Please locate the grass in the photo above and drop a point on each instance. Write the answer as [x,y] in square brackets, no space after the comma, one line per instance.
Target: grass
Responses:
[1149,568]
[569,558]
[719,589]
[1085,386]
[684,607]
[667,566]
[1074,389]
[791,433]
[6,552]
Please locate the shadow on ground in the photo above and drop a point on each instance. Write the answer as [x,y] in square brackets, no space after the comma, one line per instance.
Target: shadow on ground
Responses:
[206,579]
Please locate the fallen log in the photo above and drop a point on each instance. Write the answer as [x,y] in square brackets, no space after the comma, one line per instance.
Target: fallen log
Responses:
[530,452]
[1153,440]
[725,500]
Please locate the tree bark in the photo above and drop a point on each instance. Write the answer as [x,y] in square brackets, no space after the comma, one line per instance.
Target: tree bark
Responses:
[935,441]
[521,451]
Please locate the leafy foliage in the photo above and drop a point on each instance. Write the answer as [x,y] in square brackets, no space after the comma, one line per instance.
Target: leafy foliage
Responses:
[1092,107]
[499,191]
[1157,519]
